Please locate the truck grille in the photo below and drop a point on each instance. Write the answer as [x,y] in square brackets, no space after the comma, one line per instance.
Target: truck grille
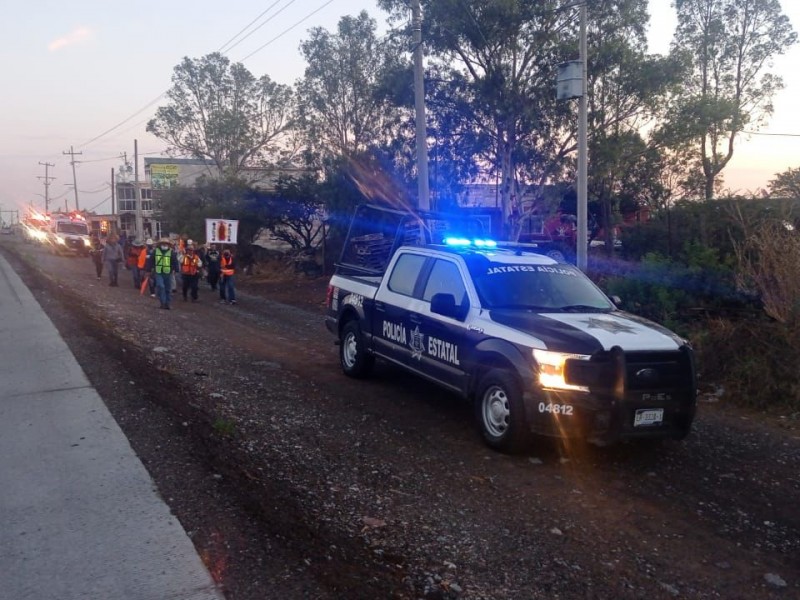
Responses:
[643,371]
[656,370]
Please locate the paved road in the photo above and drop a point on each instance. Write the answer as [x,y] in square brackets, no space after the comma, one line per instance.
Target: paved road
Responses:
[79,515]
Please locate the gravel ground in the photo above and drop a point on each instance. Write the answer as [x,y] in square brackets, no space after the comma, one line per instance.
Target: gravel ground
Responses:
[296,482]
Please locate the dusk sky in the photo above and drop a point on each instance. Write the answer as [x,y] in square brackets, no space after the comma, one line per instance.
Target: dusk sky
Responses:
[74,70]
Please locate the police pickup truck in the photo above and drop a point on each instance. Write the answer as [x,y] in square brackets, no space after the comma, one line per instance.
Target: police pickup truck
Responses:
[534,344]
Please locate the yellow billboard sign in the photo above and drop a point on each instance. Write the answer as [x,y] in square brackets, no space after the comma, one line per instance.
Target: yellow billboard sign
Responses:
[163,176]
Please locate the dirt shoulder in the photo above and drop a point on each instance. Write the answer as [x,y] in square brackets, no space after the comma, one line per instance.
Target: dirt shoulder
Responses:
[295,481]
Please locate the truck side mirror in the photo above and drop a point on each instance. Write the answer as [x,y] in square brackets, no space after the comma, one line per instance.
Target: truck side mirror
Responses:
[445,304]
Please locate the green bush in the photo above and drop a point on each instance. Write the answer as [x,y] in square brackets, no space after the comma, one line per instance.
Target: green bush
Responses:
[677,294]
[725,275]
[755,361]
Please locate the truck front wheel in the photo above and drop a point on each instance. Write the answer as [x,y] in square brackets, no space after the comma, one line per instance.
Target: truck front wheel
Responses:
[355,360]
[501,412]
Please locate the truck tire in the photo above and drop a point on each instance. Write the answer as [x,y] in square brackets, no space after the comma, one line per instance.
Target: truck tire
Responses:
[355,360]
[501,413]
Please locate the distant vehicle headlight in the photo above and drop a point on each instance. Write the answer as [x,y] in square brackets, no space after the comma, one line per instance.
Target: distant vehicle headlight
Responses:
[551,369]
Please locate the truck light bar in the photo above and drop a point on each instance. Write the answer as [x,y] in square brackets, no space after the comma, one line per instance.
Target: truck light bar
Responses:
[466,242]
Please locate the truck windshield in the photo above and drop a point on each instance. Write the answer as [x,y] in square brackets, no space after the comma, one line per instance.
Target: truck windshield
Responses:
[538,287]
[73,228]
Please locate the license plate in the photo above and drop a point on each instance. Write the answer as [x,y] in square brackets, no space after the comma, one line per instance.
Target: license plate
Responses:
[648,416]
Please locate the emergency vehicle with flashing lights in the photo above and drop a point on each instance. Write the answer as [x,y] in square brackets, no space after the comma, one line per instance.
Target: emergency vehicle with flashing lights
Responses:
[69,233]
[534,344]
[35,227]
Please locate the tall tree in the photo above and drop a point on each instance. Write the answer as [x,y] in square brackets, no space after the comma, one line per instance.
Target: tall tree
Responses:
[731,44]
[341,107]
[499,60]
[627,88]
[184,210]
[786,184]
[218,110]
[502,59]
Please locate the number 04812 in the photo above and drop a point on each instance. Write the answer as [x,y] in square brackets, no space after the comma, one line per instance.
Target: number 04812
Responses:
[556,409]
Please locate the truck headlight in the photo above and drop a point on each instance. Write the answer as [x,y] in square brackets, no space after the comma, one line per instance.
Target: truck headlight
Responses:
[551,369]
[87,242]
[60,240]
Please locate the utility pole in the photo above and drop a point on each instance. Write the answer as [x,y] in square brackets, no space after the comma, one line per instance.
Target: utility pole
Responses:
[419,104]
[72,154]
[136,191]
[66,202]
[113,191]
[583,151]
[47,179]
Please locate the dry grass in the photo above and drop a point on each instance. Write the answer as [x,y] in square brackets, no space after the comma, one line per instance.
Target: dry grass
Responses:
[769,263]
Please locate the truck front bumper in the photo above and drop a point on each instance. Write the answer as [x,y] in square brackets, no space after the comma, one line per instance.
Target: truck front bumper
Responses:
[634,395]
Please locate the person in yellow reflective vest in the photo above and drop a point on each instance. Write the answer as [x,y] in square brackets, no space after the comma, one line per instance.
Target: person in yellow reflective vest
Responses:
[190,272]
[227,288]
[165,262]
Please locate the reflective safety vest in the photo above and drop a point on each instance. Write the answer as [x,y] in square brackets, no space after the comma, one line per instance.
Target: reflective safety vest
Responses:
[227,265]
[189,264]
[142,260]
[163,261]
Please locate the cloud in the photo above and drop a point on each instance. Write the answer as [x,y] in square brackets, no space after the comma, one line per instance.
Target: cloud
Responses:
[76,36]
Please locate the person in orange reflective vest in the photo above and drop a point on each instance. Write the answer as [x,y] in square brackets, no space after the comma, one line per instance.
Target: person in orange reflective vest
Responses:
[190,272]
[145,258]
[227,284]
[132,262]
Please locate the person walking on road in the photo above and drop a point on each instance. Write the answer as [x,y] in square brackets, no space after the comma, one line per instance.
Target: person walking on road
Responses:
[97,256]
[144,264]
[164,264]
[227,284]
[190,272]
[132,262]
[112,257]
[211,261]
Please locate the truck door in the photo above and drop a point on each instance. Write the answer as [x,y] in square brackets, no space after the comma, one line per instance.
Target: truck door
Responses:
[391,332]
[440,349]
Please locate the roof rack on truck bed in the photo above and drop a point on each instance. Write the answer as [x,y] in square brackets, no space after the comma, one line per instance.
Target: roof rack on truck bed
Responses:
[376,232]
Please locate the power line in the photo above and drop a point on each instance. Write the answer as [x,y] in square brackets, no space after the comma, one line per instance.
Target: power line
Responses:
[100,189]
[246,27]
[121,123]
[285,31]
[773,134]
[161,95]
[104,200]
[99,159]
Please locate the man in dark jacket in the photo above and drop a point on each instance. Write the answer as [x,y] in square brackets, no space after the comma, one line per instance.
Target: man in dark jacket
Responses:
[211,261]
[97,256]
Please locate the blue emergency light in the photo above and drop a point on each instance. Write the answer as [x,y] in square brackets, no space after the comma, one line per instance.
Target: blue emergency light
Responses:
[466,242]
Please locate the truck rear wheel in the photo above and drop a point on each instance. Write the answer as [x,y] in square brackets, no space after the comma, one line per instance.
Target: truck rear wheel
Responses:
[355,360]
[501,413]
